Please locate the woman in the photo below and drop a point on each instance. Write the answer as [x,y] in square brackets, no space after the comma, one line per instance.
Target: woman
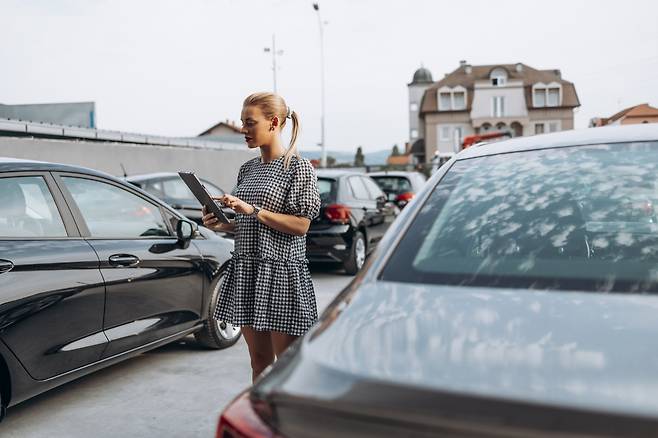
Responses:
[267,289]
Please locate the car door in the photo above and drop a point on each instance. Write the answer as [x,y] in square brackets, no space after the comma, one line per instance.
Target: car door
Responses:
[363,202]
[154,285]
[382,217]
[52,294]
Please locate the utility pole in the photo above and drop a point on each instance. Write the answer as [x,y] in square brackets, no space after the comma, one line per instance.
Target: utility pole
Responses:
[323,160]
[275,53]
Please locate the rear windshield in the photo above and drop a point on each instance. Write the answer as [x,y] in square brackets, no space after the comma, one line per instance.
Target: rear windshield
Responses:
[393,184]
[578,218]
[327,189]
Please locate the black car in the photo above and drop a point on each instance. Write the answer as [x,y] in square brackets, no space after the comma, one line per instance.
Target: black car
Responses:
[516,296]
[93,271]
[353,218]
[170,188]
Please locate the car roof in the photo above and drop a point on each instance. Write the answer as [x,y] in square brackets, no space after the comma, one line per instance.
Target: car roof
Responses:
[8,164]
[148,176]
[335,173]
[577,137]
[391,173]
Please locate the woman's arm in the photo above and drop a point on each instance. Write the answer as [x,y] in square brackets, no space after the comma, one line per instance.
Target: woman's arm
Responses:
[286,223]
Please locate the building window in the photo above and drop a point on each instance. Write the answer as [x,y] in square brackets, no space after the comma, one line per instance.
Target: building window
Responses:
[498,106]
[553,127]
[546,95]
[444,101]
[539,128]
[553,97]
[459,100]
[445,133]
[413,106]
[498,77]
[414,133]
[458,135]
[540,96]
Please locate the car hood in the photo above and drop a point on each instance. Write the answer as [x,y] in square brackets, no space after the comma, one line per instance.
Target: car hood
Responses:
[590,351]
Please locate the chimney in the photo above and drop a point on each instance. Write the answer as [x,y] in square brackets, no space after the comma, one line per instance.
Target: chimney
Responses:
[462,63]
[519,67]
[468,68]
[558,73]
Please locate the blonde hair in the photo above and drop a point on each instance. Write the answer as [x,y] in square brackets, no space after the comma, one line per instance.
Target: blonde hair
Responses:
[272,105]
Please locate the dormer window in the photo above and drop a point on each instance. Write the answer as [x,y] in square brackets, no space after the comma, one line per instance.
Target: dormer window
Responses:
[546,95]
[498,77]
[452,99]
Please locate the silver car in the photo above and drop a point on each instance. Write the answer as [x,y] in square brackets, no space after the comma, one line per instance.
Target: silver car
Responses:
[516,296]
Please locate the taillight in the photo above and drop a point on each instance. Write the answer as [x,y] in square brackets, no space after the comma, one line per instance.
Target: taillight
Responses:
[337,213]
[403,199]
[240,420]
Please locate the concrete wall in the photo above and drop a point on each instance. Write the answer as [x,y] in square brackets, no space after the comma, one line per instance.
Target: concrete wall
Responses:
[218,166]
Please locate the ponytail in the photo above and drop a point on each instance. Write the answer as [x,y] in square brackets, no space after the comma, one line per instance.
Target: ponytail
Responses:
[292,147]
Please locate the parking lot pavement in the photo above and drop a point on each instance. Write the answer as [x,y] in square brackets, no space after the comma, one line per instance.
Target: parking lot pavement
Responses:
[175,391]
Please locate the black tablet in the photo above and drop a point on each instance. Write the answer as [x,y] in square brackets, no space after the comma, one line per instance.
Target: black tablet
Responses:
[200,192]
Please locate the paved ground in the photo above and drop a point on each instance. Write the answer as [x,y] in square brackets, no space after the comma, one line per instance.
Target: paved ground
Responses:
[175,391]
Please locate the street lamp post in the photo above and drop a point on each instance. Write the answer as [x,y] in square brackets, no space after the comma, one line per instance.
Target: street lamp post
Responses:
[275,53]
[323,159]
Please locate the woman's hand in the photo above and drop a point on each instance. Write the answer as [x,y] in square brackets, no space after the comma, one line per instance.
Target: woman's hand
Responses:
[210,221]
[235,203]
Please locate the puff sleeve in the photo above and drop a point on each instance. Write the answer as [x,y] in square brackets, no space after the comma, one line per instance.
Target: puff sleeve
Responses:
[303,198]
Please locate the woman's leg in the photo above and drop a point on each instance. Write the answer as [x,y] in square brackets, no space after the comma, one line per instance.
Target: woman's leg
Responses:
[281,342]
[260,349]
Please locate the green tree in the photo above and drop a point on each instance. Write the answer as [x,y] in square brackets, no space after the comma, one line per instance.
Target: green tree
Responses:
[396,151]
[359,158]
[331,161]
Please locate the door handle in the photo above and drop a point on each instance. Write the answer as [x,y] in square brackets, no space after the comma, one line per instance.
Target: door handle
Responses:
[123,260]
[5,266]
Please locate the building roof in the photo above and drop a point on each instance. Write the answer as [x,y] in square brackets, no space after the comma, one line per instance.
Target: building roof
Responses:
[642,110]
[466,76]
[422,76]
[82,114]
[227,124]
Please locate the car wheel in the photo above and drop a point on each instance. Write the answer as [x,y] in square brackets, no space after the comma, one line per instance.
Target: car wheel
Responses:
[216,334]
[357,254]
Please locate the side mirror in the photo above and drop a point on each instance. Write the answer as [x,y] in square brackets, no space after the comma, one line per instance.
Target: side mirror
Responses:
[185,231]
[381,201]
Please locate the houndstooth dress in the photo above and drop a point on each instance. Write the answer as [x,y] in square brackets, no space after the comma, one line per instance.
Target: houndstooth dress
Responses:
[267,284]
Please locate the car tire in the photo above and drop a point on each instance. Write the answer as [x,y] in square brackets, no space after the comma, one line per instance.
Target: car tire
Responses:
[216,335]
[357,255]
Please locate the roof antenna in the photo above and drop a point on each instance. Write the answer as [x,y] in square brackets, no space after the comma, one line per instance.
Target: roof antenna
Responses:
[125,174]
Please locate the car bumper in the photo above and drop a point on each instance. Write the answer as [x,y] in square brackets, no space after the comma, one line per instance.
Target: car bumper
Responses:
[329,244]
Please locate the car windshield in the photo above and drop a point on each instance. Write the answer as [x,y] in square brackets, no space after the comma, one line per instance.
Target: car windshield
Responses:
[576,218]
[327,189]
[393,184]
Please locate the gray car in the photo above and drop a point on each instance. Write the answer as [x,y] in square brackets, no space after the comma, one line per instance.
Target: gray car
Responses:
[517,296]
[400,187]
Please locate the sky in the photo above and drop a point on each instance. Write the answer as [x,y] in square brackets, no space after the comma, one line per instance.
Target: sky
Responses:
[178,67]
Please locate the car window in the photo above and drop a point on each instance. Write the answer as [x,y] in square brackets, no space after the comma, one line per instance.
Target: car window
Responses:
[578,218]
[155,188]
[373,188]
[359,190]
[27,209]
[211,188]
[393,184]
[176,189]
[111,211]
[327,189]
